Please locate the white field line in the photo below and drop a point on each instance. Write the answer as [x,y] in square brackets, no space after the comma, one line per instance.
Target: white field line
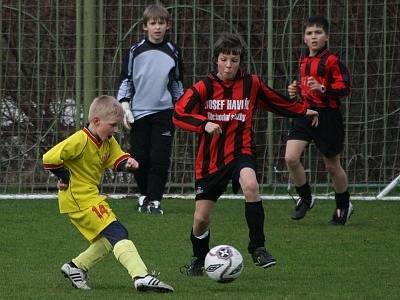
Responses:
[191,196]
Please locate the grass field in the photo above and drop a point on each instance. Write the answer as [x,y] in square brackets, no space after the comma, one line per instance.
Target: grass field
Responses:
[315,261]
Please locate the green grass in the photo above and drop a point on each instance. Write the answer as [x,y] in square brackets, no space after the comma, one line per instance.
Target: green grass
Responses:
[315,260]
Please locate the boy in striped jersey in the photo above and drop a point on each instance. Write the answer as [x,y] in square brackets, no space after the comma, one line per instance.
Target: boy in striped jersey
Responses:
[323,81]
[221,110]
[79,162]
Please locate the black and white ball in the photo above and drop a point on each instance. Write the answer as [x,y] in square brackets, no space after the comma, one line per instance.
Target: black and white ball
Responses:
[223,263]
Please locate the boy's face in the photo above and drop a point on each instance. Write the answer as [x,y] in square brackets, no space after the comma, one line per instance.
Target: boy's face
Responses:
[156,30]
[228,66]
[315,38]
[105,128]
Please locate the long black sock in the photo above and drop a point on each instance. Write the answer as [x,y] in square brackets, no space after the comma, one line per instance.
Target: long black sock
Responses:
[342,200]
[304,191]
[254,213]
[200,246]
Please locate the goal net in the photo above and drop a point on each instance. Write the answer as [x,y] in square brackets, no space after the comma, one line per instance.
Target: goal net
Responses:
[57,55]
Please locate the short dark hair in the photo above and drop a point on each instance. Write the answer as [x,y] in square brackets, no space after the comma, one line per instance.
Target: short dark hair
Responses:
[318,20]
[156,12]
[229,43]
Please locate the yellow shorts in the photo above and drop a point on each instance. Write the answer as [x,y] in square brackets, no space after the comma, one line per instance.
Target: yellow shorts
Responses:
[91,221]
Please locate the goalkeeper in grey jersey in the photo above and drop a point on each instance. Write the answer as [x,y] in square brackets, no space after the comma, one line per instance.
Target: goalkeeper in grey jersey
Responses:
[151,82]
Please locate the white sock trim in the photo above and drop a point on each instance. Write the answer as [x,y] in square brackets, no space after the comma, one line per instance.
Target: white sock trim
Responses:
[156,203]
[203,236]
[141,200]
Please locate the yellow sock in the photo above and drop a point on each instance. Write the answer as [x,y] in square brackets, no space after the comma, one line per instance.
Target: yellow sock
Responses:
[95,253]
[127,254]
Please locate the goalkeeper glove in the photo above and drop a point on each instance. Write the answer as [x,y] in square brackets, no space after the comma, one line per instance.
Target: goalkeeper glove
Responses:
[128,116]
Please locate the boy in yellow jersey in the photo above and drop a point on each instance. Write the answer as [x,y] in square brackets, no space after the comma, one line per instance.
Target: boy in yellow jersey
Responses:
[79,162]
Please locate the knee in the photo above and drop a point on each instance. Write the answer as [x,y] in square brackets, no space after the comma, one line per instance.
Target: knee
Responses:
[200,223]
[115,232]
[333,169]
[250,188]
[330,169]
[292,160]
[332,165]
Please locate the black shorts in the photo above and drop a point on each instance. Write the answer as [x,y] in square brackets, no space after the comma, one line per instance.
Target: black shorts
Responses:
[214,185]
[328,136]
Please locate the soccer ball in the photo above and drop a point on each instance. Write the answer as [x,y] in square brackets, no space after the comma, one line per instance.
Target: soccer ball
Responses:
[223,263]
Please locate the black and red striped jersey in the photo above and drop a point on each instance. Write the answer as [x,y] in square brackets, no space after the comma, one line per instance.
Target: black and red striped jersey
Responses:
[328,70]
[231,104]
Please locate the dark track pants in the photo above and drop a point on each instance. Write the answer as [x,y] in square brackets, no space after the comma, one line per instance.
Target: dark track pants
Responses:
[151,145]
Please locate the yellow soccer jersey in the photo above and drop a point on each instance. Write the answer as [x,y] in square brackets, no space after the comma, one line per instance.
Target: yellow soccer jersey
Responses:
[86,158]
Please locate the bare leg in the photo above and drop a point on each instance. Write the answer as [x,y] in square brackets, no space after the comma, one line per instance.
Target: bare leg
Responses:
[294,150]
[338,175]
[202,216]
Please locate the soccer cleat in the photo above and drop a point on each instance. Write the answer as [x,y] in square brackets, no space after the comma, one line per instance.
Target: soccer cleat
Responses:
[262,258]
[340,216]
[151,283]
[196,268]
[143,203]
[77,276]
[301,208]
[154,208]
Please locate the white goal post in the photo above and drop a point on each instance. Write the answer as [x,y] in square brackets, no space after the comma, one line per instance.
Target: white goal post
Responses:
[388,188]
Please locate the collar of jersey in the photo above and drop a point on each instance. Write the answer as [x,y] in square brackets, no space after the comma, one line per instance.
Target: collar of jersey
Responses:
[92,137]
[155,45]
[320,53]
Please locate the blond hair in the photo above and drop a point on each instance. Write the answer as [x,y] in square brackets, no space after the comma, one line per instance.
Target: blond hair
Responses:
[156,12]
[105,107]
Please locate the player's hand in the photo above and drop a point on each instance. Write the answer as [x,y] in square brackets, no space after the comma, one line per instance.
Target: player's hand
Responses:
[212,128]
[128,115]
[292,89]
[314,117]
[131,164]
[61,185]
[315,85]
